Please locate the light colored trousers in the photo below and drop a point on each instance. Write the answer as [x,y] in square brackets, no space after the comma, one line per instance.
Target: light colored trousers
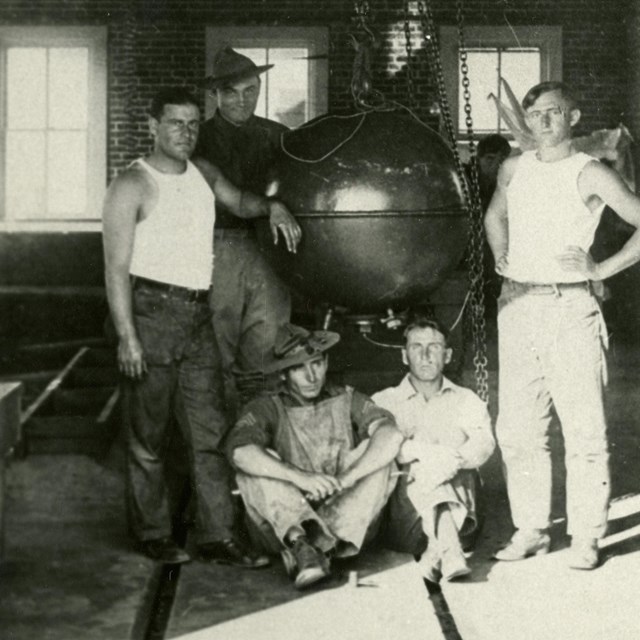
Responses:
[551,350]
[458,494]
[276,506]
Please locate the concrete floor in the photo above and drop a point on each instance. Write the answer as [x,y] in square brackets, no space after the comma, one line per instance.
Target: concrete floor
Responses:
[69,570]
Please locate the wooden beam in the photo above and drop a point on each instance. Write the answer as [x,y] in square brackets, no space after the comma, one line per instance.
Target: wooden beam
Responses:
[52,386]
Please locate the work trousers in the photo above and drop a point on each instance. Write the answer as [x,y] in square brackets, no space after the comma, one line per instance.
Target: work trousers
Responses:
[348,518]
[249,303]
[183,381]
[404,528]
[551,349]
[458,494]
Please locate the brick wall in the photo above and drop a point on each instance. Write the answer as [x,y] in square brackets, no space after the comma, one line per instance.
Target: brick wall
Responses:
[160,43]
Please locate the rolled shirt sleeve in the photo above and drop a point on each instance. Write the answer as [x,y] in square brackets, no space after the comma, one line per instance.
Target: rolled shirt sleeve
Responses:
[256,425]
[455,418]
[368,417]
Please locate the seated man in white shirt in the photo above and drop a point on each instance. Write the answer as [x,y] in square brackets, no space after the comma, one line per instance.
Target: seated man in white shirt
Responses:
[449,436]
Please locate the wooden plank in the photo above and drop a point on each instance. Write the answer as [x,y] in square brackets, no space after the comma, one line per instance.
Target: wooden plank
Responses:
[47,290]
[10,394]
[53,385]
[10,397]
[109,406]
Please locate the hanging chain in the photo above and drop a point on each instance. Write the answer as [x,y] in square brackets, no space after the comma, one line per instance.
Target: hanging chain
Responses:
[411,89]
[361,8]
[476,229]
[435,65]
[364,42]
[470,191]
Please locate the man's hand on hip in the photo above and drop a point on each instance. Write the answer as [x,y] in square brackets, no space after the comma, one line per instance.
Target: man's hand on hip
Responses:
[502,263]
[576,259]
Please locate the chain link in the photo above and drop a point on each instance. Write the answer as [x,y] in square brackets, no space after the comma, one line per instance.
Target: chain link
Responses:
[411,92]
[470,188]
[364,42]
[476,231]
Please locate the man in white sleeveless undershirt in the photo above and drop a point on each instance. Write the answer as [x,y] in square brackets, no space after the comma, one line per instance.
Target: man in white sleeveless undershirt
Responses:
[158,237]
[552,339]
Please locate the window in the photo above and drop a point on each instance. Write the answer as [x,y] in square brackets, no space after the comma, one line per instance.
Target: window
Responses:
[295,89]
[523,56]
[53,127]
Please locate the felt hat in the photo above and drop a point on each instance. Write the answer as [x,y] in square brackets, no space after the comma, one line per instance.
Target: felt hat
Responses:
[295,345]
[230,66]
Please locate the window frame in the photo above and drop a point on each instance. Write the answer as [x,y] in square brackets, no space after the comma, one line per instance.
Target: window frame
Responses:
[316,38]
[547,38]
[95,39]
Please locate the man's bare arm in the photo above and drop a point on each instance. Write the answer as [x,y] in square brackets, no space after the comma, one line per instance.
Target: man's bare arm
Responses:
[245,204]
[601,183]
[121,206]
[496,221]
[382,449]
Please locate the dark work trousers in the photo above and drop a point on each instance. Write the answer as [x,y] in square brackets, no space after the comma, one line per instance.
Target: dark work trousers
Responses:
[249,303]
[183,381]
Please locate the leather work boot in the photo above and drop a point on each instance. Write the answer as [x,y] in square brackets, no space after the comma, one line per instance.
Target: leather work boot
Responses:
[308,564]
[454,564]
[523,544]
[583,553]
[232,552]
[164,550]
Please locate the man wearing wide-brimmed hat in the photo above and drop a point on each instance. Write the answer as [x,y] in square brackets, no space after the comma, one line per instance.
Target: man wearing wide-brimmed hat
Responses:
[315,459]
[248,301]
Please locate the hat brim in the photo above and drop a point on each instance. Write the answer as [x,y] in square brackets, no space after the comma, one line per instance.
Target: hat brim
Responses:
[330,338]
[211,82]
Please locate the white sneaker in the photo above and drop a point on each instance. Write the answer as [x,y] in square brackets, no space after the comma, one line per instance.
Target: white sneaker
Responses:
[583,553]
[429,565]
[454,564]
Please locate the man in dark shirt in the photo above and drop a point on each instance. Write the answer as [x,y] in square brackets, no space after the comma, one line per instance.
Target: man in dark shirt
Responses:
[315,460]
[248,301]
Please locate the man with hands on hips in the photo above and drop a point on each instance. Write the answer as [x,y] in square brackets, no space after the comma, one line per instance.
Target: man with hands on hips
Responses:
[540,225]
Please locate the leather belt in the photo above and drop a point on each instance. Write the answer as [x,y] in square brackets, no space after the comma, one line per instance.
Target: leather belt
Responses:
[173,290]
[555,288]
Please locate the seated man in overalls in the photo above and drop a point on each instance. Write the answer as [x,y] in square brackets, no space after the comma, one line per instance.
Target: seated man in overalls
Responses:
[315,460]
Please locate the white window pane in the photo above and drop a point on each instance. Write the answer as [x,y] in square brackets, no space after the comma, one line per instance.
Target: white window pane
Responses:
[483,76]
[67,174]
[26,88]
[521,69]
[259,57]
[25,175]
[68,87]
[288,86]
